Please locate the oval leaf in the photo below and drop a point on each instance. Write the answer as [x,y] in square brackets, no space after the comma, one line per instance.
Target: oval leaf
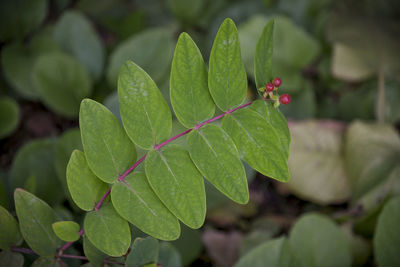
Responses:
[316,162]
[108,150]
[33,168]
[263,56]
[136,202]
[258,143]
[178,183]
[316,241]
[144,251]
[144,111]
[216,156]
[169,256]
[9,230]
[227,79]
[77,37]
[274,117]
[386,238]
[66,230]
[9,116]
[190,97]
[107,231]
[35,219]
[85,188]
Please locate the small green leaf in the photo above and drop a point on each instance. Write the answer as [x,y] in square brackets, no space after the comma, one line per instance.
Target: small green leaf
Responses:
[77,37]
[227,79]
[136,202]
[263,56]
[217,158]
[177,182]
[189,245]
[154,45]
[95,256]
[35,218]
[190,97]
[62,82]
[66,230]
[107,231]
[9,116]
[9,230]
[30,15]
[144,112]
[18,60]
[69,141]
[9,258]
[144,251]
[108,150]
[85,188]
[387,233]
[33,168]
[258,143]
[269,253]
[47,262]
[315,240]
[274,117]
[169,255]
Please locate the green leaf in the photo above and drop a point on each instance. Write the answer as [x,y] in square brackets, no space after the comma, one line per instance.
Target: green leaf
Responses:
[9,230]
[190,97]
[217,158]
[372,152]
[95,256]
[151,49]
[227,79]
[107,231]
[9,258]
[387,233]
[9,116]
[85,188]
[136,202]
[258,143]
[263,56]
[188,11]
[108,150]
[18,60]
[62,82]
[30,15]
[177,183]
[316,162]
[69,141]
[316,241]
[34,162]
[75,34]
[66,230]
[144,112]
[269,253]
[274,117]
[35,218]
[169,256]
[144,251]
[47,262]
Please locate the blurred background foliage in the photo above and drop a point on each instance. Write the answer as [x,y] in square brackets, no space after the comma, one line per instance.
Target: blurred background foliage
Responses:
[339,60]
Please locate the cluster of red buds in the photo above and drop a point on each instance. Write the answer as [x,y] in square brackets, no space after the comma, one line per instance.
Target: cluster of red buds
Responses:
[271,88]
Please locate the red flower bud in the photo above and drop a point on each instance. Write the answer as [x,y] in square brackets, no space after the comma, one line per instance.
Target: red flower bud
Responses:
[277,81]
[269,87]
[285,99]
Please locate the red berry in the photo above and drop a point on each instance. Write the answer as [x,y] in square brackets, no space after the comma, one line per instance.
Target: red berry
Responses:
[269,87]
[285,99]
[277,81]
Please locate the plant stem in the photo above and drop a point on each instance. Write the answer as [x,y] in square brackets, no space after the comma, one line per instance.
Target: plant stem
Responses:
[380,106]
[156,147]
[68,244]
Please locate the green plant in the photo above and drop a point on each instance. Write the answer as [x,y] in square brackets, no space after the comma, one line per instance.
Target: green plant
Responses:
[101,180]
